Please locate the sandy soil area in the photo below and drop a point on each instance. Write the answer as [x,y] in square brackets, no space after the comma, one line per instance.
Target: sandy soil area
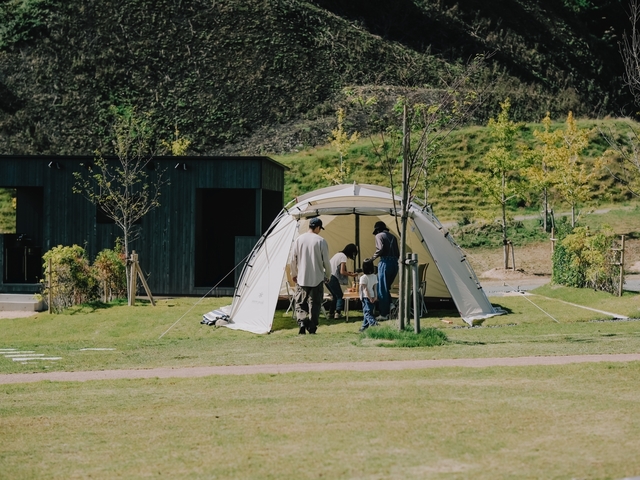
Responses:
[534,262]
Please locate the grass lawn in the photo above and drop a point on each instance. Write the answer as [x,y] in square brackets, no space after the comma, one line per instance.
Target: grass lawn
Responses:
[116,337]
[573,421]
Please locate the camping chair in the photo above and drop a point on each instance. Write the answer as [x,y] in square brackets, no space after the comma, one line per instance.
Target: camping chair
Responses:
[422,290]
[422,286]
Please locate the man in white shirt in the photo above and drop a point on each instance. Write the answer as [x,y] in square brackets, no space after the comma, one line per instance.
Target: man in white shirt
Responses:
[310,269]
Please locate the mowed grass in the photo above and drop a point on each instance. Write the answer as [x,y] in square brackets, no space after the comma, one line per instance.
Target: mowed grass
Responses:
[170,334]
[573,421]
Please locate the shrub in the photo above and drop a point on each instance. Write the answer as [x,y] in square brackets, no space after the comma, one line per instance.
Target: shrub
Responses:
[70,277]
[109,269]
[73,281]
[585,259]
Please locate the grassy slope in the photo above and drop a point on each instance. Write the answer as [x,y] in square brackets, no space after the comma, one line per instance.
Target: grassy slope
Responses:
[225,71]
[464,149]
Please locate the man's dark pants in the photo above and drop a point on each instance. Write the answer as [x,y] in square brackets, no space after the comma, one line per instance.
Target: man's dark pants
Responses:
[308,303]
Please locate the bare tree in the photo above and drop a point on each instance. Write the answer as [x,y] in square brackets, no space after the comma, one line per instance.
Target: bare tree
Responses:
[409,147]
[122,187]
[630,50]
[622,159]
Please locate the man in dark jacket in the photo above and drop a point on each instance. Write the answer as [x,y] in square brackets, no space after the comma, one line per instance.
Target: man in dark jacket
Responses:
[388,252]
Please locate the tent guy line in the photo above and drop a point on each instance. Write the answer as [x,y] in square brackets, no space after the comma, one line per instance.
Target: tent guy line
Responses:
[202,298]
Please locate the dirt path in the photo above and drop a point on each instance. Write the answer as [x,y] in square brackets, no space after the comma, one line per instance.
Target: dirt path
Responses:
[192,372]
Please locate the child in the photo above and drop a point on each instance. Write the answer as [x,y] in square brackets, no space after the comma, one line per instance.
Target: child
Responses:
[340,276]
[368,284]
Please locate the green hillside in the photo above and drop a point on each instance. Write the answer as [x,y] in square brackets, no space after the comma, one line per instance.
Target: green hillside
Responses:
[265,76]
[453,199]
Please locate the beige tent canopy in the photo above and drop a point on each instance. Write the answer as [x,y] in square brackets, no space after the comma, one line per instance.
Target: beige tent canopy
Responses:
[348,213]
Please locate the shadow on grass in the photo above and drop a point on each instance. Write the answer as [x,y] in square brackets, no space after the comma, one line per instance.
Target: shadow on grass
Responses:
[282,322]
[578,340]
[91,307]
[507,310]
[288,322]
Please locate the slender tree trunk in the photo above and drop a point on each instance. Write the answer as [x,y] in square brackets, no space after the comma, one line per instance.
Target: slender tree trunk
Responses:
[545,203]
[127,265]
[504,225]
[545,197]
[573,215]
[404,290]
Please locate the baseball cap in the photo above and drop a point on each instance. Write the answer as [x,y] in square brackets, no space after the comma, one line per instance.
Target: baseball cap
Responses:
[315,222]
[379,227]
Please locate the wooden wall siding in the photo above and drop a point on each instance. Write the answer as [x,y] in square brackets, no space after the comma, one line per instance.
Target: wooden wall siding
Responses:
[167,239]
[272,178]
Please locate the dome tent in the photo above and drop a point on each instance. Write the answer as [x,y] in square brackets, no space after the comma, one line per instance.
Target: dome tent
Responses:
[348,213]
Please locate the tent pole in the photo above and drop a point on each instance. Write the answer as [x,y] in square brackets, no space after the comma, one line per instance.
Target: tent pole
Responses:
[359,258]
[416,308]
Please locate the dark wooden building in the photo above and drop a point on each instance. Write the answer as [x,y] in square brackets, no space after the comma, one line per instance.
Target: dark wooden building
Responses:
[211,214]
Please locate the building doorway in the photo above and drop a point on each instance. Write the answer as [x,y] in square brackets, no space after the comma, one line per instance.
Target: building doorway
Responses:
[222,215]
[21,210]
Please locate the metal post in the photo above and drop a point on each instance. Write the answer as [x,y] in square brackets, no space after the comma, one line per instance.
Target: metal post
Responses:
[621,281]
[134,279]
[406,265]
[416,308]
[50,308]
[513,256]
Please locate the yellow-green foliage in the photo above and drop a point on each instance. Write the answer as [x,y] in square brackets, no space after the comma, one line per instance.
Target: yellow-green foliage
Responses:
[68,279]
[501,176]
[341,141]
[562,166]
[109,269]
[177,146]
[586,259]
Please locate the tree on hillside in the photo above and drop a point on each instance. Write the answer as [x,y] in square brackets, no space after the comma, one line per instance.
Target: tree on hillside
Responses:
[571,176]
[409,145]
[539,172]
[178,145]
[122,188]
[341,141]
[501,179]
